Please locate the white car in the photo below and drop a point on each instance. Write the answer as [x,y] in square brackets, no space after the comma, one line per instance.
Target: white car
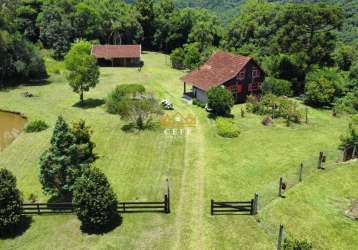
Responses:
[167,105]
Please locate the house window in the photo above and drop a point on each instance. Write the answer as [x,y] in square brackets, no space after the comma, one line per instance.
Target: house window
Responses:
[242,75]
[239,88]
[255,73]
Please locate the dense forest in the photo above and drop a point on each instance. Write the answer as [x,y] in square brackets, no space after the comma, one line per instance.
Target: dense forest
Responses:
[304,48]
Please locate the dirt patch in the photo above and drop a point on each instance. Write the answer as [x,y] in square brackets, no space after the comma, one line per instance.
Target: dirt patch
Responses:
[353,211]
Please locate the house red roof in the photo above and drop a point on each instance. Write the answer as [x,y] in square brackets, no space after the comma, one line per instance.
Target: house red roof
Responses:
[220,68]
[116,51]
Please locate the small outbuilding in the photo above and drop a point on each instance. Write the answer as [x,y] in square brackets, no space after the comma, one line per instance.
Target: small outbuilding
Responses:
[118,55]
[239,74]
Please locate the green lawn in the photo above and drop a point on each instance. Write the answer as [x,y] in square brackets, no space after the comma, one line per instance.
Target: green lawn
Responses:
[200,166]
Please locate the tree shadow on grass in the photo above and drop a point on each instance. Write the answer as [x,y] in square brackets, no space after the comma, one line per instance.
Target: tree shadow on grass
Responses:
[18,229]
[132,127]
[214,116]
[89,103]
[115,222]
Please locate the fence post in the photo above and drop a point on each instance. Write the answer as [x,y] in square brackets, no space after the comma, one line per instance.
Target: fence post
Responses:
[280,187]
[280,238]
[306,115]
[252,211]
[320,158]
[256,201]
[38,208]
[124,207]
[301,172]
[168,197]
[212,207]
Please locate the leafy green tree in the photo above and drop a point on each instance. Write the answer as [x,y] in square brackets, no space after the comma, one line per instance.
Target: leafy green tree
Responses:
[146,19]
[287,67]
[10,201]
[96,202]
[163,13]
[344,56]
[192,58]
[220,101]
[253,26]
[277,86]
[55,30]
[177,58]
[82,67]
[59,166]
[307,29]
[86,21]
[26,15]
[323,86]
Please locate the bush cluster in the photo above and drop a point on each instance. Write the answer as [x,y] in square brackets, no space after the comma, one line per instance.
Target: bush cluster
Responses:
[117,100]
[36,126]
[277,107]
[227,128]
[199,104]
[293,244]
[220,101]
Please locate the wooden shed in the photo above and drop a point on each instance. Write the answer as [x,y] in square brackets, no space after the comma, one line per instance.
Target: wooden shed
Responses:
[118,55]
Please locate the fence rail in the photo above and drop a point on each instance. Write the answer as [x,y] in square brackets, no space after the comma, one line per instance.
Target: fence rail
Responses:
[123,207]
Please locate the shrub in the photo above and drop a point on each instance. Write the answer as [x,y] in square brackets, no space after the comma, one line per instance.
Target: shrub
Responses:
[277,86]
[350,139]
[96,202]
[220,101]
[227,128]
[117,100]
[296,245]
[267,121]
[10,201]
[36,126]
[277,107]
[347,104]
[141,111]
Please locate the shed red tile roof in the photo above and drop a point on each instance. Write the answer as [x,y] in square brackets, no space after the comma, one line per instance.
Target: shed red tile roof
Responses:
[220,68]
[116,51]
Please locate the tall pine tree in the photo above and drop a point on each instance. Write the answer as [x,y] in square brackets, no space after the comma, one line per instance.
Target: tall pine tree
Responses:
[60,166]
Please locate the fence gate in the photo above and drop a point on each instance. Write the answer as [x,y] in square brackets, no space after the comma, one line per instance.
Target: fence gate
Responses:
[226,207]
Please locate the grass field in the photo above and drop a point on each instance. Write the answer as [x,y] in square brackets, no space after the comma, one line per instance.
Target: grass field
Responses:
[200,167]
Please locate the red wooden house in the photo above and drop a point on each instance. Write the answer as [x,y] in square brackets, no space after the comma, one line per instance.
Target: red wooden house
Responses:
[241,75]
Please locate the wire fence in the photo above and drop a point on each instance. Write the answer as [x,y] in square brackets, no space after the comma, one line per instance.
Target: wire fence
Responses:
[320,161]
[326,160]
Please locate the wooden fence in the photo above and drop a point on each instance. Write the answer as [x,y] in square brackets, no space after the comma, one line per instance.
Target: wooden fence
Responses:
[123,207]
[226,207]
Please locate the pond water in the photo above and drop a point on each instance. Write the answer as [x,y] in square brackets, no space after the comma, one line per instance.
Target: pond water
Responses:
[11,125]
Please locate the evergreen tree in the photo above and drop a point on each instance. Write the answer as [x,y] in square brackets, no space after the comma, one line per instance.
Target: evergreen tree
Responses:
[10,203]
[96,202]
[59,166]
[85,146]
